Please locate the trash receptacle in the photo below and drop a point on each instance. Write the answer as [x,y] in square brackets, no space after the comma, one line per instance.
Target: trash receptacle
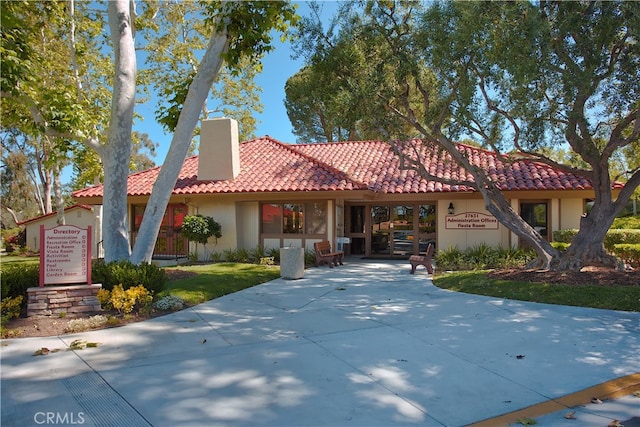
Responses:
[291,263]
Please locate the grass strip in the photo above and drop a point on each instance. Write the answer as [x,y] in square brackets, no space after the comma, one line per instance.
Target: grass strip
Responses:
[624,298]
[215,280]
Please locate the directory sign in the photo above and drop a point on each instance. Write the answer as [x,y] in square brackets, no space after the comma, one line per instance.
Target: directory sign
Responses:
[65,255]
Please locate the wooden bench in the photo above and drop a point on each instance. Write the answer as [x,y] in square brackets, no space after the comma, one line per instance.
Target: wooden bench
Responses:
[425,260]
[324,255]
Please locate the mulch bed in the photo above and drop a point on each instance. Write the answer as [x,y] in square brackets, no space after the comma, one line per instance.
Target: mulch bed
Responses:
[592,276]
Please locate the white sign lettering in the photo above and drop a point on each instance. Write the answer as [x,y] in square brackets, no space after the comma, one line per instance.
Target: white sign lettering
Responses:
[65,255]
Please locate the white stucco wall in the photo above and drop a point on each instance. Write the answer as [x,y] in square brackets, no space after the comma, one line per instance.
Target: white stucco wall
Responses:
[570,212]
[248,220]
[78,217]
[223,212]
[464,238]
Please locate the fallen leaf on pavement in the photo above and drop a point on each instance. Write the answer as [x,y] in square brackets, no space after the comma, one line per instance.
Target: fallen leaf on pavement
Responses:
[570,415]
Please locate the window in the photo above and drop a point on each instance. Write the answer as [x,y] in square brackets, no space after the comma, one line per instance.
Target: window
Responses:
[291,218]
[316,218]
[535,214]
[272,219]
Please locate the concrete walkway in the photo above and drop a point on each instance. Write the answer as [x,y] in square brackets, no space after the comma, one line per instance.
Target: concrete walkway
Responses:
[366,344]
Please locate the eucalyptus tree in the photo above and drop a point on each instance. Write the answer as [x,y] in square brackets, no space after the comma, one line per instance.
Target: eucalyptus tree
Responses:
[237,30]
[46,48]
[175,35]
[513,76]
[70,90]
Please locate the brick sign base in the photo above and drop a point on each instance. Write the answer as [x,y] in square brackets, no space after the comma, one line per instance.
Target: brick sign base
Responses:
[49,300]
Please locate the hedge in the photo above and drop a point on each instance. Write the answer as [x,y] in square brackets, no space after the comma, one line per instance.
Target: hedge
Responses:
[623,243]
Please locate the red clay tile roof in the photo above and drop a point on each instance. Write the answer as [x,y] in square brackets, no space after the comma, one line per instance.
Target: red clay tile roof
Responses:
[268,165]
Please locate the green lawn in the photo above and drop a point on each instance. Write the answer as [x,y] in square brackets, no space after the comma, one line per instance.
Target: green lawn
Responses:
[7,260]
[626,298]
[215,280]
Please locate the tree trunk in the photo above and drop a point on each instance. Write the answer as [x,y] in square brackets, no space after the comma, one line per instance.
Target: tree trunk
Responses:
[587,247]
[117,152]
[57,188]
[499,207]
[189,116]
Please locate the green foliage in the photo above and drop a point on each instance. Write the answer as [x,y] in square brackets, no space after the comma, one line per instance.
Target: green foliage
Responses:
[16,279]
[136,298]
[564,236]
[561,246]
[629,253]
[215,280]
[619,236]
[257,254]
[275,254]
[627,222]
[613,237]
[236,255]
[249,25]
[309,257]
[588,295]
[198,228]
[482,257]
[128,275]
[10,308]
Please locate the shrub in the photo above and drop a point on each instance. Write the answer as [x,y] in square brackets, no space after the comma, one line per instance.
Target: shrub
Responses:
[275,254]
[267,260]
[482,257]
[136,298]
[449,259]
[104,298]
[512,257]
[257,254]
[169,302]
[561,246]
[619,236]
[627,222]
[309,257]
[629,253]
[564,236]
[128,275]
[237,255]
[10,308]
[79,325]
[16,279]
[198,228]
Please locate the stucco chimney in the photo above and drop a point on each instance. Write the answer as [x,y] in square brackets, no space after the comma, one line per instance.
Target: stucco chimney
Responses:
[219,157]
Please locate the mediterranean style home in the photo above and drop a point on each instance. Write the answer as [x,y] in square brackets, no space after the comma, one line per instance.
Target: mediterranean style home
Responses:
[355,194]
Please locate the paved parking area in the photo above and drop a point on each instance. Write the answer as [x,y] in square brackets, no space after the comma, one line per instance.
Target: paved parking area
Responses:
[365,344]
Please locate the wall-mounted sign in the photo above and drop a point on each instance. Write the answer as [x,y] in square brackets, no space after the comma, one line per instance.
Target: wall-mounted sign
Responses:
[471,221]
[65,255]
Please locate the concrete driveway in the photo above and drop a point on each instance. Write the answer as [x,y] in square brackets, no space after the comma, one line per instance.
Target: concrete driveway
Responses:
[365,344]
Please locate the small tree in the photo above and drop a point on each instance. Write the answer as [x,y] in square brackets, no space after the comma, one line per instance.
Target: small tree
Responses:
[198,228]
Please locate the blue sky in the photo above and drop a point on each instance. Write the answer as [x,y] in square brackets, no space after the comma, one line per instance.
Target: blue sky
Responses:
[273,121]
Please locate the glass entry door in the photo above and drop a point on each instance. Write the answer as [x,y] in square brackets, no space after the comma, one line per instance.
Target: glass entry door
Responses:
[380,230]
[401,230]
